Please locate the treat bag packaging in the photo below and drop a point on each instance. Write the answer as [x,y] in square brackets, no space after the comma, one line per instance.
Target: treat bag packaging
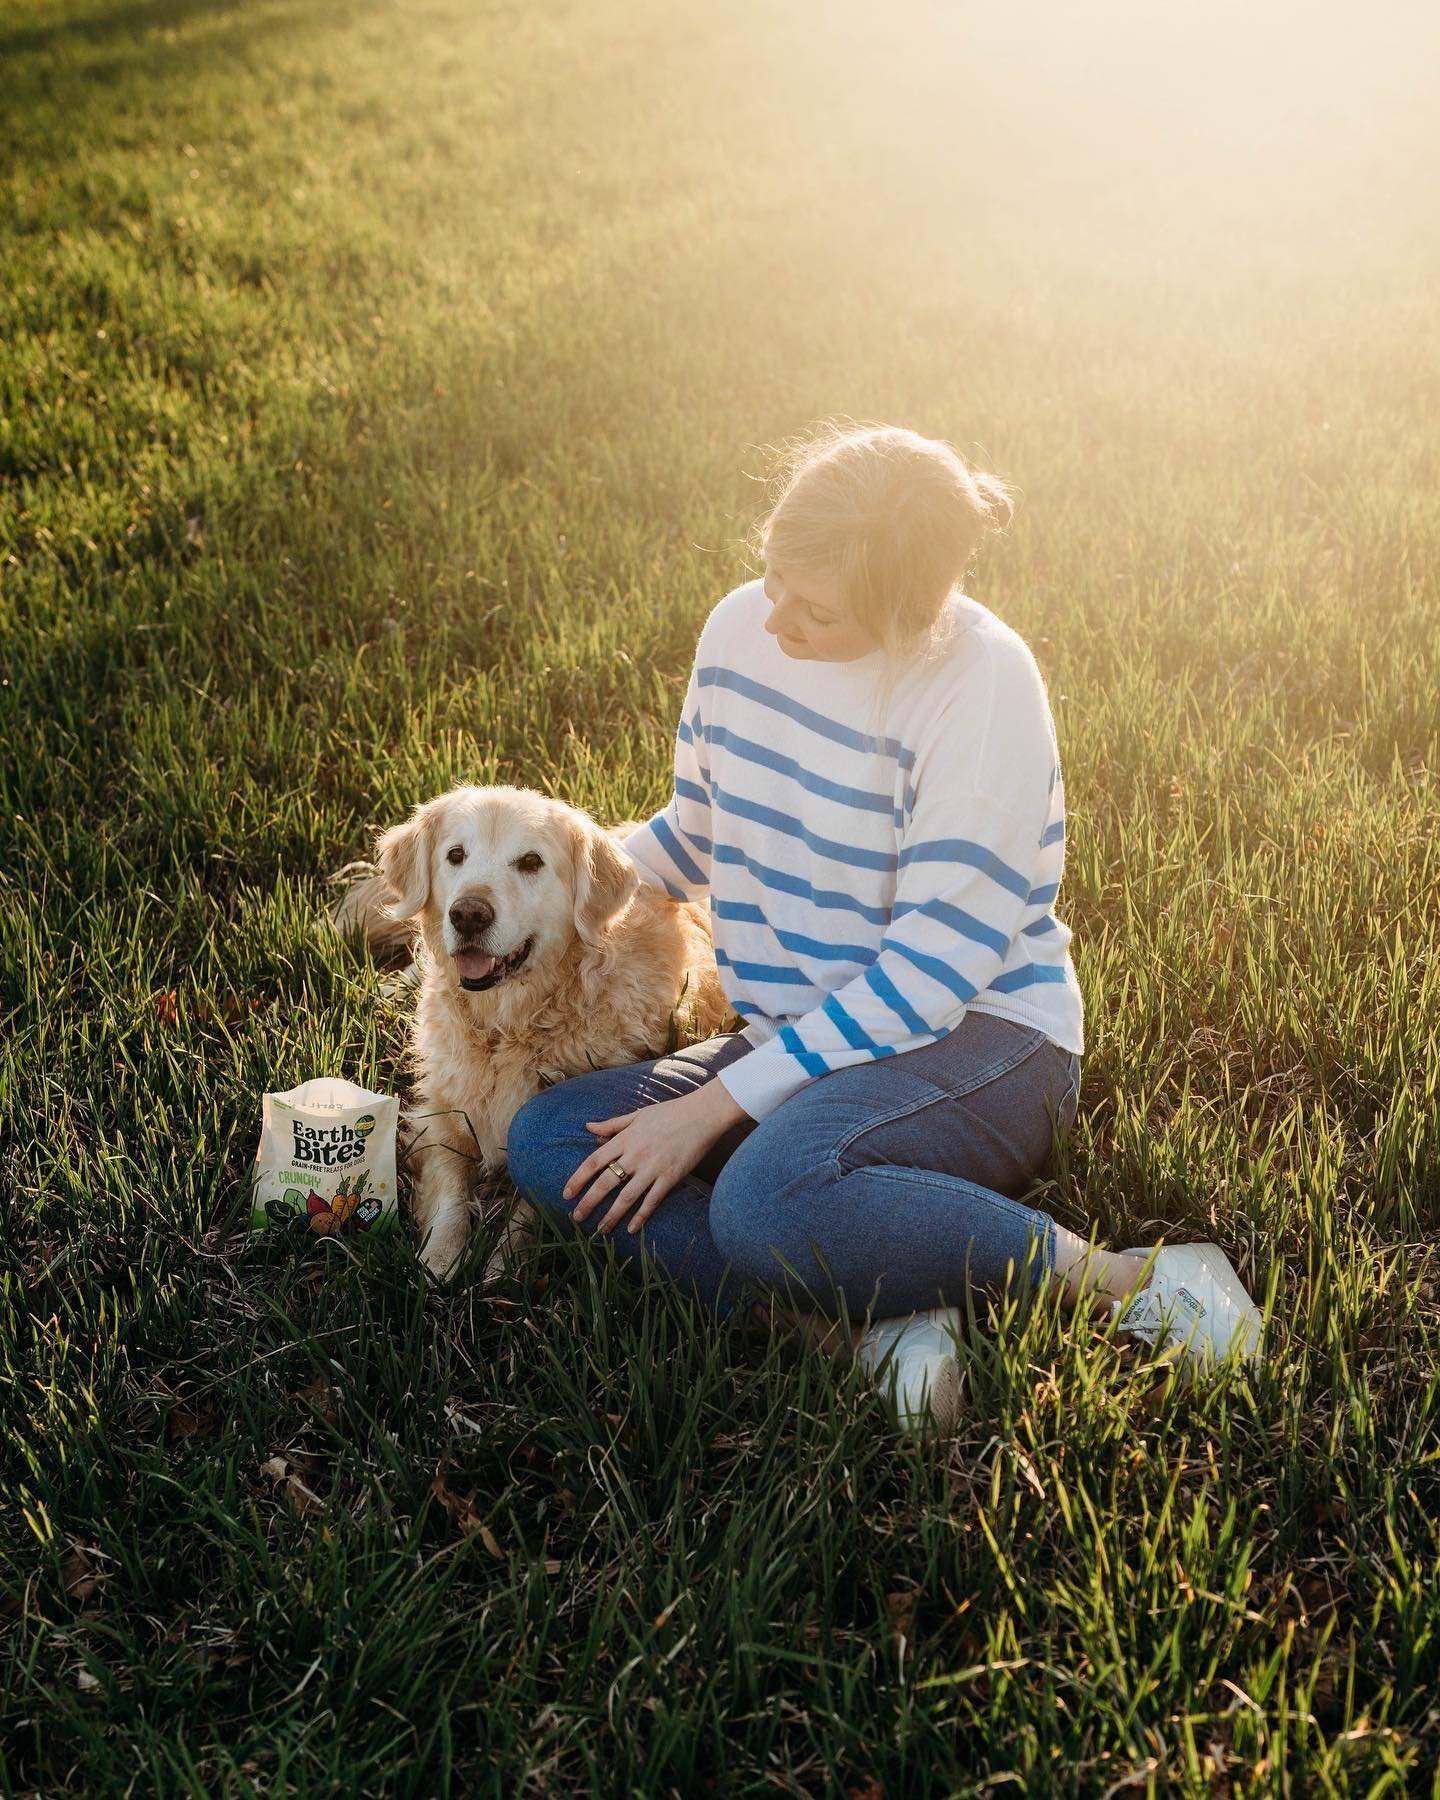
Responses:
[326,1162]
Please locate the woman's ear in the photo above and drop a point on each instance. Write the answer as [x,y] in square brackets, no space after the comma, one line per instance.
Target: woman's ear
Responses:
[403,853]
[605,879]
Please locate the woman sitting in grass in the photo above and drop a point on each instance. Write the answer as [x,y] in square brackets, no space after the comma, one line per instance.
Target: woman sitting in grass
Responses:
[868,793]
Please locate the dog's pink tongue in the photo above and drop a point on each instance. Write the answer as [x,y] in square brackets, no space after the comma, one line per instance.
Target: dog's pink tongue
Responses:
[473,965]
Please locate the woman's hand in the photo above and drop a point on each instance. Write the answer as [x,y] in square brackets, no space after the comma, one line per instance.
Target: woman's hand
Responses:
[656,1147]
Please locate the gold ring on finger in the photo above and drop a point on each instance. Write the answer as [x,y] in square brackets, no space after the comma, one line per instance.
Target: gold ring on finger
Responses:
[619,1173]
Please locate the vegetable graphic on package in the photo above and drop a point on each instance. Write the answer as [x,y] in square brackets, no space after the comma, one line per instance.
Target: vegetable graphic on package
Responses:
[349,1207]
[326,1162]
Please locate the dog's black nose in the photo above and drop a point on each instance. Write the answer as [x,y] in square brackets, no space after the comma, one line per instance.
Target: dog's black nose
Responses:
[471,913]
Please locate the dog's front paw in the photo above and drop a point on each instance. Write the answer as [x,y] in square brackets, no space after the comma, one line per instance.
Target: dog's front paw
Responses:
[443,1247]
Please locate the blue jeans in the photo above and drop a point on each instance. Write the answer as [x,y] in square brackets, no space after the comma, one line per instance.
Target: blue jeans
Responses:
[886,1186]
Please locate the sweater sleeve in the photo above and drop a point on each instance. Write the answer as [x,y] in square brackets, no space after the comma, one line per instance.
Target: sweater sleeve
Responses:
[672,850]
[966,864]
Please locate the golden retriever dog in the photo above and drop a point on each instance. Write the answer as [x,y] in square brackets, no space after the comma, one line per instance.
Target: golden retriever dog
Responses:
[540,955]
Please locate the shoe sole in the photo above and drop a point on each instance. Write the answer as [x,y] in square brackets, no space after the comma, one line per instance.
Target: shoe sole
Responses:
[945,1396]
[940,1405]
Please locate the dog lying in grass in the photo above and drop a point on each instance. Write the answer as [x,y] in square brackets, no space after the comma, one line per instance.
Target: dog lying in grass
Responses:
[540,955]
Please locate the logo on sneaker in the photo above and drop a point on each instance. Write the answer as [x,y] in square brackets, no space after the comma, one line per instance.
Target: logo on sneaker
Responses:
[1194,1307]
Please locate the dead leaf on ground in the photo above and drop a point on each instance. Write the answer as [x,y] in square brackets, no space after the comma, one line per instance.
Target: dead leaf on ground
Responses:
[190,1421]
[1027,1469]
[80,1575]
[462,1511]
[301,1497]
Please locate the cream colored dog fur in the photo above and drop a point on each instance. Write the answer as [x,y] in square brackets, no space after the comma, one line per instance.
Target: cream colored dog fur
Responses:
[541,955]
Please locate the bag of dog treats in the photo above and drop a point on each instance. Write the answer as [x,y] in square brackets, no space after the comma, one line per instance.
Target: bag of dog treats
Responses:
[326,1162]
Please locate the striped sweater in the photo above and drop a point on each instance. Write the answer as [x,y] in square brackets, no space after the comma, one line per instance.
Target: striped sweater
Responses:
[870,879]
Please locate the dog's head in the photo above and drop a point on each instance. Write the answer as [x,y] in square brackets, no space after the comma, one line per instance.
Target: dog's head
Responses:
[503,880]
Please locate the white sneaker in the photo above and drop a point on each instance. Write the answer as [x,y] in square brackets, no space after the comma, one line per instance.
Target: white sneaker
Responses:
[1195,1302]
[913,1360]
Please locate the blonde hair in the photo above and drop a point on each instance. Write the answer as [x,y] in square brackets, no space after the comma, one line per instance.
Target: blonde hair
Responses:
[893,518]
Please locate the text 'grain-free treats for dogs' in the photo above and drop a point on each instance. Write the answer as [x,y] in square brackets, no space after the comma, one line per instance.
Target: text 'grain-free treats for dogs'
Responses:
[326,1161]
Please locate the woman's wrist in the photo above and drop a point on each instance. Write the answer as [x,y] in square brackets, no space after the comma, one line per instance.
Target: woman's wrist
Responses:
[718,1108]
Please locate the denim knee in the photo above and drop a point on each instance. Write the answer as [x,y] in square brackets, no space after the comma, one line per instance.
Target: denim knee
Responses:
[732,1227]
[526,1127]
[747,1215]
[539,1148]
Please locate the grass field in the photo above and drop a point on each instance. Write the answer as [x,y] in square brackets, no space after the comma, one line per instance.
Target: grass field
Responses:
[384,398]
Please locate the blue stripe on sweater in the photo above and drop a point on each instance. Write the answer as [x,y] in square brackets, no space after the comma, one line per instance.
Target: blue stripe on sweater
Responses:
[691,790]
[975,856]
[692,731]
[675,850]
[812,1064]
[752,971]
[932,966]
[885,989]
[1029,975]
[904,813]
[784,883]
[713,676]
[1042,896]
[850,1028]
[812,947]
[837,791]
[702,844]
[966,924]
[849,854]
[1053,834]
[1041,926]
[742,912]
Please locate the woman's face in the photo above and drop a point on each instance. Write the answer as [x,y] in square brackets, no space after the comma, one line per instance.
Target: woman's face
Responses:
[808,619]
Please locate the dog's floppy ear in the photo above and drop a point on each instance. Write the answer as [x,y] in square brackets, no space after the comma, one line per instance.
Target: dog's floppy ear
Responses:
[404,856]
[604,879]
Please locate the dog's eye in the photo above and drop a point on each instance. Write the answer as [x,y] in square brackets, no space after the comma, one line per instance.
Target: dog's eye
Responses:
[529,862]
[455,854]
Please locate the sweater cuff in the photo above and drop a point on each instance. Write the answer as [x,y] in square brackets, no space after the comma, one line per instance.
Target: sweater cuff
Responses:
[760,1081]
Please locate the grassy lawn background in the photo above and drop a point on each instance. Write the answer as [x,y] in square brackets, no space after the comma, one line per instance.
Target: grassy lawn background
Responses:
[383,399]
